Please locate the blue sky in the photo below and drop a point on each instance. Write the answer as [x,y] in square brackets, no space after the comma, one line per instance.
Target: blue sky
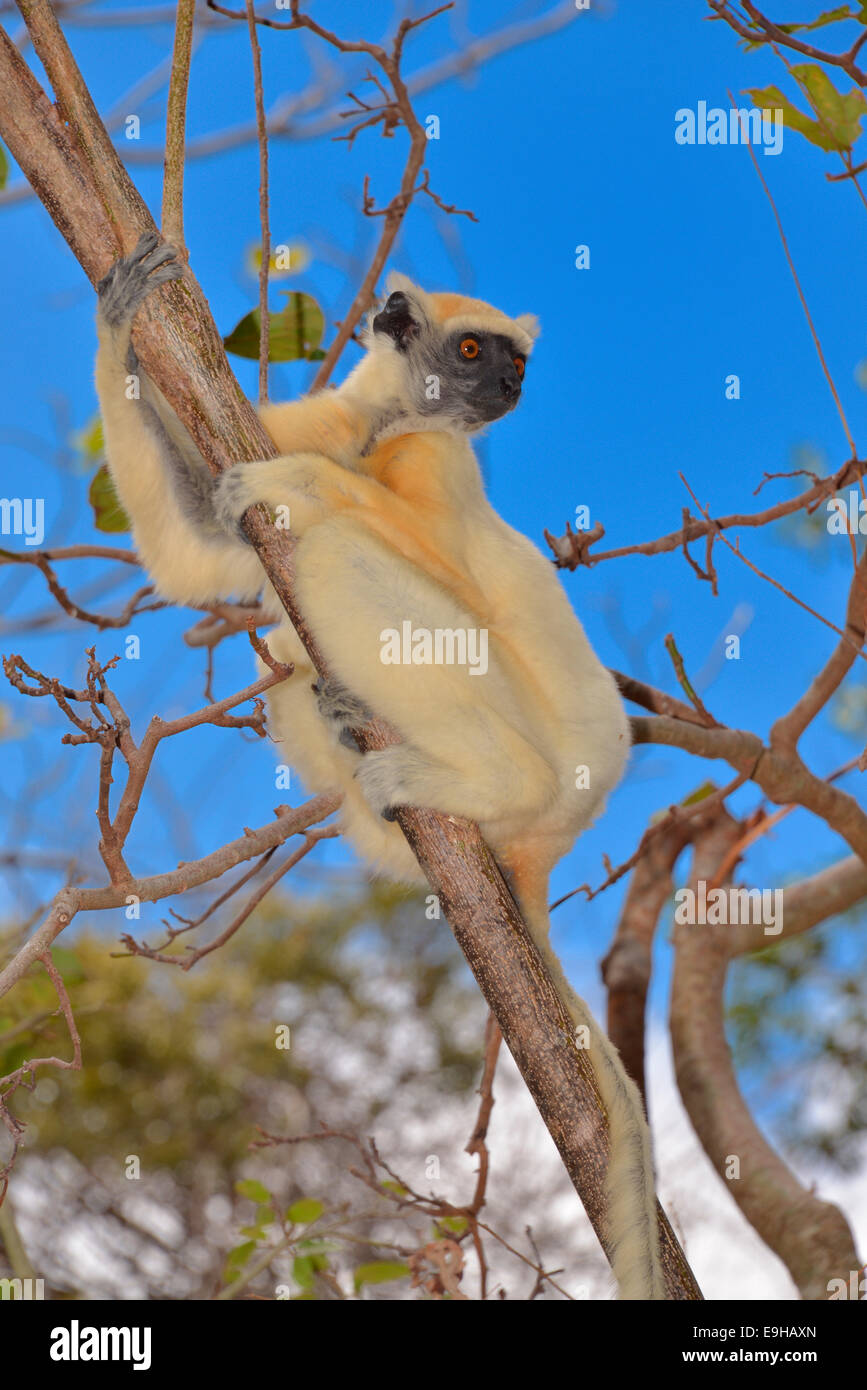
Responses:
[569,141]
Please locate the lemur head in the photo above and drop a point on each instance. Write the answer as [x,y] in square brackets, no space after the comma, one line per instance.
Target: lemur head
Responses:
[453,362]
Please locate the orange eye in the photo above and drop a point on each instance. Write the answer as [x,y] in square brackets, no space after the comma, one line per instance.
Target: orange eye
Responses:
[469,348]
[519,367]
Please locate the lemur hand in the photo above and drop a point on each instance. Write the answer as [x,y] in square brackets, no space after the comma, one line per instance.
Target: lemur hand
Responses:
[131,279]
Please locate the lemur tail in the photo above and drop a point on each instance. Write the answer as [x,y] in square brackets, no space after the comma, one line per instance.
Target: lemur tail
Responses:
[629,1183]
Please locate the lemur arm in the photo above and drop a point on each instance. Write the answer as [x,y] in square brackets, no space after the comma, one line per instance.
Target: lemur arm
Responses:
[320,424]
[300,488]
[163,483]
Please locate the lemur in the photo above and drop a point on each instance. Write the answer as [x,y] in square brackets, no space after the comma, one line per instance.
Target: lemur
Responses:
[385,501]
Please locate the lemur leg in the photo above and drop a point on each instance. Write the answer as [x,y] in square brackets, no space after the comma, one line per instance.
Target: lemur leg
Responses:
[342,710]
[162,481]
[355,591]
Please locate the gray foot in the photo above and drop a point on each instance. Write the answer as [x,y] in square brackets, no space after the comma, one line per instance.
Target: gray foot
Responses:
[342,709]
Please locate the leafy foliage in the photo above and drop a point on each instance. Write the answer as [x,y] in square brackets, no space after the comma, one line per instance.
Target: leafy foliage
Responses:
[838,115]
[295,331]
[108,513]
[179,1070]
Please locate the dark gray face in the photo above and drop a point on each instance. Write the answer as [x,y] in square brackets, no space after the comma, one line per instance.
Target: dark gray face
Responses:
[469,377]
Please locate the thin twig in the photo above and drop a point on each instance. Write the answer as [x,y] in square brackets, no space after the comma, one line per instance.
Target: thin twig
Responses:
[685,683]
[173,176]
[830,380]
[769,579]
[265,233]
[568,556]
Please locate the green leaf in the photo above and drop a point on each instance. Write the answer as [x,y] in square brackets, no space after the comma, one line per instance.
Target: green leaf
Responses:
[253,1232]
[4,167]
[840,114]
[252,1188]
[296,331]
[840,123]
[241,1254]
[90,443]
[305,1211]
[302,1271]
[395,1187]
[380,1272]
[827,17]
[108,514]
[772,97]
[706,789]
[457,1224]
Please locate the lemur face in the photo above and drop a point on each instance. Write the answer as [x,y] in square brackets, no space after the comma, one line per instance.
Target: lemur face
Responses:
[469,376]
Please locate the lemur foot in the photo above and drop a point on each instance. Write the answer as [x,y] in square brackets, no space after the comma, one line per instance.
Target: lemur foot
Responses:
[131,279]
[343,710]
[383,777]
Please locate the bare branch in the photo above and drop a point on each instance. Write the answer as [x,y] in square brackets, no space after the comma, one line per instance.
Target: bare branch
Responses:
[627,964]
[685,684]
[786,732]
[657,701]
[25,1073]
[173,176]
[769,579]
[809,1235]
[806,501]
[675,819]
[186,962]
[763,31]
[252,844]
[132,608]
[807,903]
[264,229]
[782,776]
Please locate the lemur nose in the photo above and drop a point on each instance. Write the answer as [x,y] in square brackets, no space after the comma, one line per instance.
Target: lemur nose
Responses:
[510,387]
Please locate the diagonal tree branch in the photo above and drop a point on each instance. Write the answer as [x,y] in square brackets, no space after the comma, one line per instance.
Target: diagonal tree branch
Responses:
[787,730]
[782,775]
[71,900]
[808,902]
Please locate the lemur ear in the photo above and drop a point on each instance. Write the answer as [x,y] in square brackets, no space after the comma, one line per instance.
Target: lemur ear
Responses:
[530,325]
[396,319]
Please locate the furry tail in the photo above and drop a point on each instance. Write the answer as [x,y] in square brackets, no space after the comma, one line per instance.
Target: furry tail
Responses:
[629,1184]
